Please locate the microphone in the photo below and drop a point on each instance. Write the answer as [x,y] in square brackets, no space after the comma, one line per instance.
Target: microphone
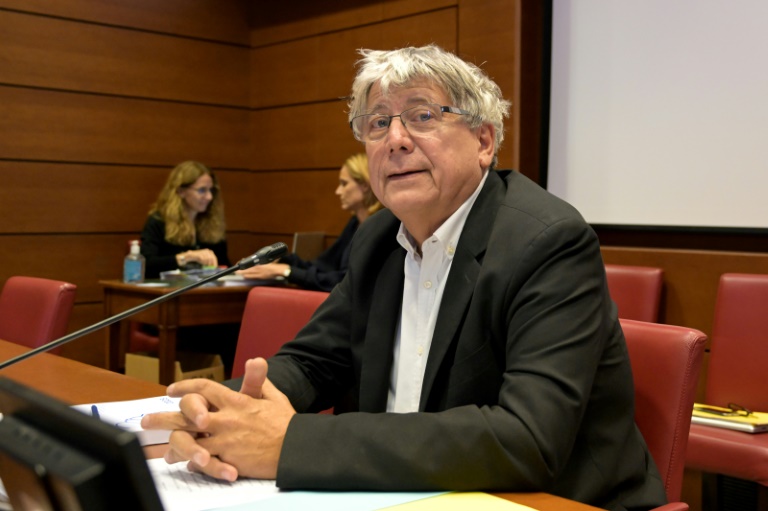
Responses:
[263,256]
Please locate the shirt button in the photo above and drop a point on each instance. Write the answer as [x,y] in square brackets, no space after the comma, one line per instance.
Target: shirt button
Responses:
[420,350]
[451,250]
[428,284]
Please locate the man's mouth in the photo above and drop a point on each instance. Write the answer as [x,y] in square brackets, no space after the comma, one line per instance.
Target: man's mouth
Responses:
[405,174]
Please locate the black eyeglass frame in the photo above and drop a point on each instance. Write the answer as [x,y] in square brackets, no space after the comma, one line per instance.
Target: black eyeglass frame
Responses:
[214,189]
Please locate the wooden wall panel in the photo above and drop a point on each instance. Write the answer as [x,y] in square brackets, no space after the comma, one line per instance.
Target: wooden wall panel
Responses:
[488,37]
[242,244]
[690,278]
[300,201]
[297,20]
[236,189]
[217,20]
[61,198]
[322,68]
[316,135]
[82,259]
[71,55]
[61,126]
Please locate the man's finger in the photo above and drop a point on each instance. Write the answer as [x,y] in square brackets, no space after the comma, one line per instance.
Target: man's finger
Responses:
[196,409]
[167,420]
[184,447]
[254,378]
[214,393]
[215,468]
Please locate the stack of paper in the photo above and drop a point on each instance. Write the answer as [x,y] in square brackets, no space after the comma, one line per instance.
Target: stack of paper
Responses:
[127,415]
[707,415]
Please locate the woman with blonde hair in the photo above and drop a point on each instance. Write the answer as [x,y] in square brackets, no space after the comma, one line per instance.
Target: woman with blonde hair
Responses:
[186,227]
[354,192]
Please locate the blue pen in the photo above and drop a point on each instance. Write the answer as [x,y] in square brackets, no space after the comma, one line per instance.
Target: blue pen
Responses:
[95,411]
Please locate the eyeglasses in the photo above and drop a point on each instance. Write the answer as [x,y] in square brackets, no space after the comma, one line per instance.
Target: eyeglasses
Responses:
[202,190]
[419,119]
[733,410]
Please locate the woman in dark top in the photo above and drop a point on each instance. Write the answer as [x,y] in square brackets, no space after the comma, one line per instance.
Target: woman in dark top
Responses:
[186,227]
[323,273]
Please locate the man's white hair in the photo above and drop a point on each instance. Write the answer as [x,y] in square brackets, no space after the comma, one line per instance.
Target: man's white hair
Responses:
[467,86]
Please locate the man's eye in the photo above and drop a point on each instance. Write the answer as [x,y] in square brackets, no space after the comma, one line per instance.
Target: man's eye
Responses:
[422,116]
[379,123]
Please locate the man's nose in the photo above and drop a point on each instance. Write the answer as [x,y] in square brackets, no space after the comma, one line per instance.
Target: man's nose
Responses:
[397,129]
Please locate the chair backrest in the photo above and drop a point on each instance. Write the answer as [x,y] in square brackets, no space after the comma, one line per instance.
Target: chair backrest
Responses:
[272,317]
[666,361]
[35,311]
[308,245]
[739,349]
[636,290]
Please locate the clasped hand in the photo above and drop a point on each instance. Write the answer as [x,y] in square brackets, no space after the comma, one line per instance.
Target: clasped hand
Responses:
[223,433]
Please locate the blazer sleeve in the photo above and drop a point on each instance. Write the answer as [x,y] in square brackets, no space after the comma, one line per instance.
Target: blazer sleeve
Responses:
[327,270]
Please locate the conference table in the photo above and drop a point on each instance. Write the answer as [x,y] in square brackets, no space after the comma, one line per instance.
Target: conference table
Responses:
[77,383]
[205,305]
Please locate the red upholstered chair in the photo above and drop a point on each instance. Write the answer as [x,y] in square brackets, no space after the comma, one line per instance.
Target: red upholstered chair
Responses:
[636,290]
[35,311]
[666,361]
[272,317]
[737,373]
[139,340]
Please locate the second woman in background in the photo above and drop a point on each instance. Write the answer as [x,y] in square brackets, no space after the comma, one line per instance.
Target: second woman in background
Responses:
[186,225]
[327,270]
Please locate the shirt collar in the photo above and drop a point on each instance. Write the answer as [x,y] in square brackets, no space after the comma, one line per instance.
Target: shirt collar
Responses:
[448,233]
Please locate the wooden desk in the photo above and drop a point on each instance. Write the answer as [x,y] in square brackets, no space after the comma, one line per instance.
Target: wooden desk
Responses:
[71,381]
[208,305]
[77,383]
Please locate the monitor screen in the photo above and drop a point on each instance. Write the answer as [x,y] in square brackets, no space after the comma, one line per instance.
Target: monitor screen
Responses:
[54,457]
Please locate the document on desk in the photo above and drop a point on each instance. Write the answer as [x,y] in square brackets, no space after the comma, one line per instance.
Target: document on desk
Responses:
[182,490]
[127,415]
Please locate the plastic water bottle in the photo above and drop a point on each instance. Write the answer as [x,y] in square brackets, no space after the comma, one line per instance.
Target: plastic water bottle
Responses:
[133,265]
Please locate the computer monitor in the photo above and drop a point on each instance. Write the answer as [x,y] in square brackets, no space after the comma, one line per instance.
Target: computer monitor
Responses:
[54,457]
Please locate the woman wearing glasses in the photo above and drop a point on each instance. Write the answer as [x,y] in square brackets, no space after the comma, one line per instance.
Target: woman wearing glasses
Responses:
[322,274]
[186,227]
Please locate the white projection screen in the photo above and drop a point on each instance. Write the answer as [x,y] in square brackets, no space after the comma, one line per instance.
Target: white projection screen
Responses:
[659,111]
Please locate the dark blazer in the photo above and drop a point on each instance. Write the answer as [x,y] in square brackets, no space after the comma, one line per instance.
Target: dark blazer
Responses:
[528,381]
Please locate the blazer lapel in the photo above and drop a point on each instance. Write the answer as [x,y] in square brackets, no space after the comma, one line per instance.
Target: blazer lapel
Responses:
[379,346]
[460,285]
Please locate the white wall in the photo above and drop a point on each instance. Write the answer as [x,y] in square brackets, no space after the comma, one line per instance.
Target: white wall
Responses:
[659,111]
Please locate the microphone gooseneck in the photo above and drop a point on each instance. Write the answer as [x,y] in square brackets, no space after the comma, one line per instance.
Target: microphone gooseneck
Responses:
[263,256]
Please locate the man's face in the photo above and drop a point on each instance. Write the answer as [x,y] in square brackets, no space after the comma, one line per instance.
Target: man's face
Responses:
[424,178]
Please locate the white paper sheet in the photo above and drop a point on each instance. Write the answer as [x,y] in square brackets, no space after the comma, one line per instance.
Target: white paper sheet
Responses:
[182,490]
[127,415]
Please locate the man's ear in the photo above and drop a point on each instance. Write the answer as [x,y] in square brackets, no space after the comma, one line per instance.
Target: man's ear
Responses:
[486,135]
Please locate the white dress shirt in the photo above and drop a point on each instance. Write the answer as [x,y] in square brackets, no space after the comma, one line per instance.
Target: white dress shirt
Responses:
[425,277]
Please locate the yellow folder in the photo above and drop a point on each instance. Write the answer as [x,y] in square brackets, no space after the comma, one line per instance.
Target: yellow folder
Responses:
[719,417]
